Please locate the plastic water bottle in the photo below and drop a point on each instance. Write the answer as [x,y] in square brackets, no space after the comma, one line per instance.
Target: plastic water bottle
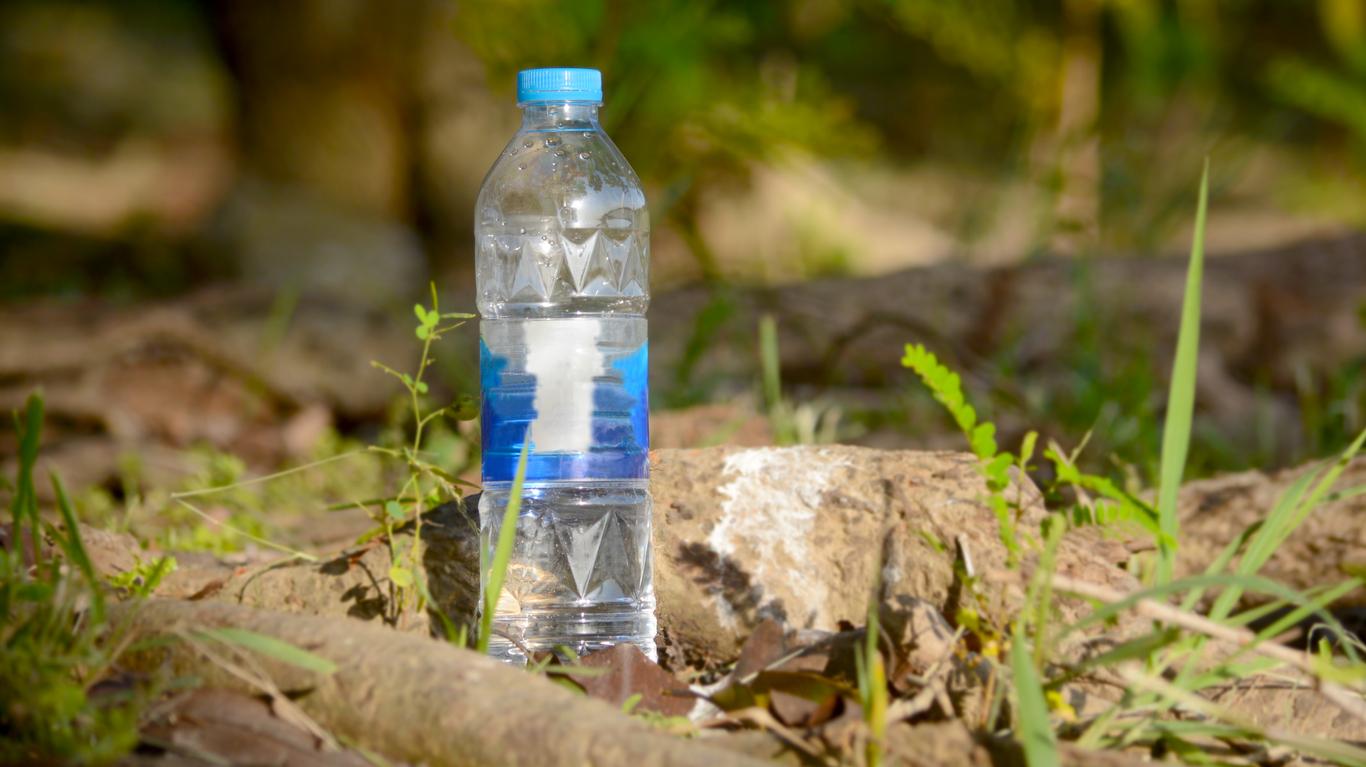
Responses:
[563,249]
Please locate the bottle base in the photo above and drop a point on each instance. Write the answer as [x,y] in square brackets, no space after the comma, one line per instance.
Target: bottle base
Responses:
[569,633]
[502,650]
[579,577]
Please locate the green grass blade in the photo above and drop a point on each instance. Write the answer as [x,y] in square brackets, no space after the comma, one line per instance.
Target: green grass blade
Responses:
[1176,432]
[1139,648]
[24,505]
[1221,562]
[502,553]
[768,361]
[1317,604]
[1346,493]
[270,647]
[1289,513]
[75,550]
[1036,732]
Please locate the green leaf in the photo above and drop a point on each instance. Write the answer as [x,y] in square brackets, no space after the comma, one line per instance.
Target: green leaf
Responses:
[630,703]
[1027,448]
[466,408]
[421,387]
[423,332]
[1035,731]
[394,510]
[983,440]
[421,312]
[370,535]
[1176,432]
[401,576]
[269,646]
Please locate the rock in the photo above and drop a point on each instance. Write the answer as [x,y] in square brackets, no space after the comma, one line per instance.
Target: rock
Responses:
[801,534]
[1328,547]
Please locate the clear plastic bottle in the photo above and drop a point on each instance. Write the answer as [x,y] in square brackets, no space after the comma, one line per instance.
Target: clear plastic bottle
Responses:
[562,249]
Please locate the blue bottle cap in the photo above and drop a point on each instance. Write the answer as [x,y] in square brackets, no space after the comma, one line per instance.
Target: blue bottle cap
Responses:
[559,84]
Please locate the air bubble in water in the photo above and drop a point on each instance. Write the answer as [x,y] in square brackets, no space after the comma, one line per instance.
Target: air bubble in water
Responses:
[553,141]
[583,155]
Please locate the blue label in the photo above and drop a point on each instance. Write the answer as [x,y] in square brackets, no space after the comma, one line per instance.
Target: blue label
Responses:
[607,436]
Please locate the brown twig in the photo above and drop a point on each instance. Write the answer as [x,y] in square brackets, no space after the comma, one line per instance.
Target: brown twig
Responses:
[1348,700]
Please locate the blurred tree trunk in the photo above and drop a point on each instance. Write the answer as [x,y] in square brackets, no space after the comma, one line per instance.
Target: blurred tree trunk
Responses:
[1076,142]
[326,122]
[324,96]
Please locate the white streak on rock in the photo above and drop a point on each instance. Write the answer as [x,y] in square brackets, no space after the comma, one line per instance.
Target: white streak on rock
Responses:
[766,522]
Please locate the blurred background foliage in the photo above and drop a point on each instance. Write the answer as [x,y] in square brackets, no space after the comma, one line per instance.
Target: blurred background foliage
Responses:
[153,148]
[162,136]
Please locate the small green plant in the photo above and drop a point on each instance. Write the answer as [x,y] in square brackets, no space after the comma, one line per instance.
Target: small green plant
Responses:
[427,484]
[1170,665]
[947,389]
[144,577]
[57,641]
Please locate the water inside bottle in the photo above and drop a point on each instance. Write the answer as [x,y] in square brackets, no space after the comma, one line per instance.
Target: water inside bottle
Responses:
[576,389]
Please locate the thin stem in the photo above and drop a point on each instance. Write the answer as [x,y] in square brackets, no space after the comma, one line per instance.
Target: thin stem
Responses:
[258,539]
[265,478]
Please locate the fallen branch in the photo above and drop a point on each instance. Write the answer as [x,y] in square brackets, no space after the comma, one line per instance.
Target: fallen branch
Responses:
[416,699]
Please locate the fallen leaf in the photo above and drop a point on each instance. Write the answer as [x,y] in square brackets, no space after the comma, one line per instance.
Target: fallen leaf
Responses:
[630,673]
[763,648]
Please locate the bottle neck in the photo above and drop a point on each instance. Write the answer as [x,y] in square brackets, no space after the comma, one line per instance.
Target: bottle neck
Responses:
[560,115]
